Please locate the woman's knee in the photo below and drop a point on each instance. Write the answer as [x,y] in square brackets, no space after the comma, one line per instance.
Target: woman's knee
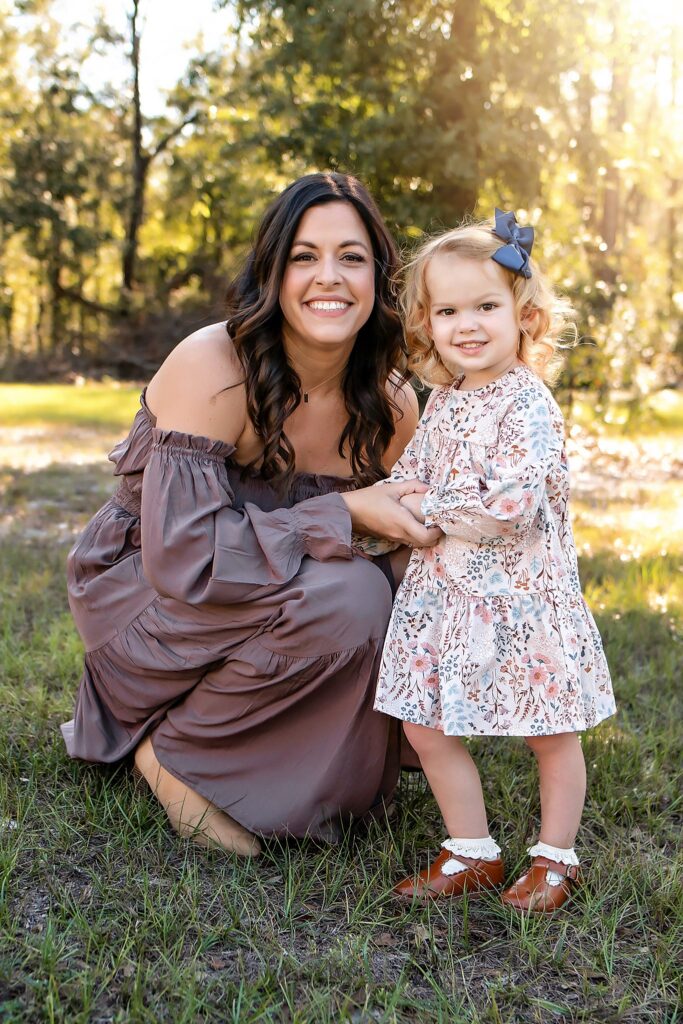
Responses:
[358,596]
[336,605]
[370,594]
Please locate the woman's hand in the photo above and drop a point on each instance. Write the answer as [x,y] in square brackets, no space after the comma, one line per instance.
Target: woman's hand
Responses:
[379,512]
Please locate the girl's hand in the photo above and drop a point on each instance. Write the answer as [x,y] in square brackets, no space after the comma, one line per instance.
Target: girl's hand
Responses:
[413,502]
[378,511]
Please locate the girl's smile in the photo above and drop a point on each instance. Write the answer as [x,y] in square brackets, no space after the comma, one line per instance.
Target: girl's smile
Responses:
[471,346]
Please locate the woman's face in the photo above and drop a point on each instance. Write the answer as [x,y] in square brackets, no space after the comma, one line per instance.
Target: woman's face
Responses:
[328,289]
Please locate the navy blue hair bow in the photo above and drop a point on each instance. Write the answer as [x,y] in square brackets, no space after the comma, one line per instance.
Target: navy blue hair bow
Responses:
[520,241]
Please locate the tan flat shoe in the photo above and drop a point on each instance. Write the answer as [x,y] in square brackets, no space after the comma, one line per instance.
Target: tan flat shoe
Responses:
[533,892]
[432,883]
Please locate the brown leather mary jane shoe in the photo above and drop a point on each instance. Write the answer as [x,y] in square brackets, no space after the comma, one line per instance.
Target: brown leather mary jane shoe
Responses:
[432,883]
[533,892]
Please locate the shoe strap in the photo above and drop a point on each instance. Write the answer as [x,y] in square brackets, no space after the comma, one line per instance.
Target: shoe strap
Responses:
[568,870]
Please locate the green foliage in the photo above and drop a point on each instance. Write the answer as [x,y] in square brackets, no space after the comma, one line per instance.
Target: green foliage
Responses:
[567,112]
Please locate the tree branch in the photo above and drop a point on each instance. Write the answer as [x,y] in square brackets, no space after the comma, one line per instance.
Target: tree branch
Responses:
[97,307]
[164,141]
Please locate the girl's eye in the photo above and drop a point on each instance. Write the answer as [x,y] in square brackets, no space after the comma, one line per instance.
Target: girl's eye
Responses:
[448,311]
[488,306]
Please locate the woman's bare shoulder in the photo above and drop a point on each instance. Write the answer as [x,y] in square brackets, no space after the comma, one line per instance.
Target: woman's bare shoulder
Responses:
[406,415]
[199,389]
[403,395]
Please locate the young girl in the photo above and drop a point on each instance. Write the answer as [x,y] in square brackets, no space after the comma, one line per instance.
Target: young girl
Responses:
[490,635]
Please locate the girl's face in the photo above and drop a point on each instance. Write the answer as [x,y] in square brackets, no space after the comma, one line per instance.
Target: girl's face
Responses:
[472,318]
[328,289]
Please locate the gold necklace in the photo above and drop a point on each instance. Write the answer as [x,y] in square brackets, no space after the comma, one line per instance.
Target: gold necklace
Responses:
[327,381]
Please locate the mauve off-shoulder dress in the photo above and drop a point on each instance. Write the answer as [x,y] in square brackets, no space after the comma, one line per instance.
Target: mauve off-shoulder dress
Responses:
[239,629]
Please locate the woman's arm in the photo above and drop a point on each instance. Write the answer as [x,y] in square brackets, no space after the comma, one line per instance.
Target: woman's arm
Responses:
[377,511]
[406,417]
[196,547]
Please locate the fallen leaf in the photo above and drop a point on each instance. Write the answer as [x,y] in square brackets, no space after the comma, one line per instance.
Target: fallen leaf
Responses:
[421,934]
[217,963]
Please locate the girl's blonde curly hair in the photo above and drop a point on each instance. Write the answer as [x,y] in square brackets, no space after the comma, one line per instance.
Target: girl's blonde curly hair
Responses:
[544,316]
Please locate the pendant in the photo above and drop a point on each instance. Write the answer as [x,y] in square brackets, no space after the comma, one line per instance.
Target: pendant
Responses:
[306,397]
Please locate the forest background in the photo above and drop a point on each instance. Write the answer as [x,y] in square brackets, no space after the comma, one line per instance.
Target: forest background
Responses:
[120,226]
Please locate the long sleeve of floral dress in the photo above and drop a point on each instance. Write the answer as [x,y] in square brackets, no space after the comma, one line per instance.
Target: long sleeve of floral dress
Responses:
[197,548]
[500,497]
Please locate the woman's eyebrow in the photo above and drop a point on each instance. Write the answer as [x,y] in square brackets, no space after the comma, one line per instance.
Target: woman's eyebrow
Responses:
[342,245]
[353,241]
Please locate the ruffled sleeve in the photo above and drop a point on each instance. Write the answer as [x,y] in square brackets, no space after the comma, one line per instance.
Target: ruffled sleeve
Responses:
[505,500]
[197,548]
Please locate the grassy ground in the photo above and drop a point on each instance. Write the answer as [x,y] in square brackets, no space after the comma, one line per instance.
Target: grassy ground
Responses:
[105,916]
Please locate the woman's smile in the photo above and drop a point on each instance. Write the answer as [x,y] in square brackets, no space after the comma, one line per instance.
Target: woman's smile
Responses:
[328,307]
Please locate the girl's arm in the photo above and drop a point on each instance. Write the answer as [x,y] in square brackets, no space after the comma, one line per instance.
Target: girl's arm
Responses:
[502,502]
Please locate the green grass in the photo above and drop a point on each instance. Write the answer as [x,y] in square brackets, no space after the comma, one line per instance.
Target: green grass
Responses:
[105,406]
[106,916]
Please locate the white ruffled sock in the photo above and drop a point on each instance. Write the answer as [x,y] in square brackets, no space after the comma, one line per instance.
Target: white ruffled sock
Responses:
[480,849]
[554,853]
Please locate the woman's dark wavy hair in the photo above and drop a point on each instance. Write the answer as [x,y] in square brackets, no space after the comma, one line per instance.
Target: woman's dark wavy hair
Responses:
[255,326]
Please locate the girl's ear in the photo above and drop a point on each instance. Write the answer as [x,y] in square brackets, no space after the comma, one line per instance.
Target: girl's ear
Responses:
[528,319]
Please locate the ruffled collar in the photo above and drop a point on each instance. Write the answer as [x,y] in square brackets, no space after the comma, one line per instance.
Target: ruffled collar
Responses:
[504,381]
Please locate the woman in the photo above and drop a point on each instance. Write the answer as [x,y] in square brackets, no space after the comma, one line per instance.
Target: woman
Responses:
[232,635]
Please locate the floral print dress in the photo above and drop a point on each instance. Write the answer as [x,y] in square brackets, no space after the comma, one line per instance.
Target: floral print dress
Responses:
[490,634]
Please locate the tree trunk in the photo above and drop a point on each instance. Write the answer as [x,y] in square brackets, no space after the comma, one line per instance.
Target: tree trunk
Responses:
[139,168]
[615,119]
[674,186]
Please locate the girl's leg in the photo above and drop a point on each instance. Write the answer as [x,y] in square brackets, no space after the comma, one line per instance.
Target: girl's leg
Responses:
[453,779]
[548,883]
[470,860]
[189,813]
[562,773]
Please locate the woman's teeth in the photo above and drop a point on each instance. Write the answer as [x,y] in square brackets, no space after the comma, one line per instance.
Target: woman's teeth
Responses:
[328,305]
